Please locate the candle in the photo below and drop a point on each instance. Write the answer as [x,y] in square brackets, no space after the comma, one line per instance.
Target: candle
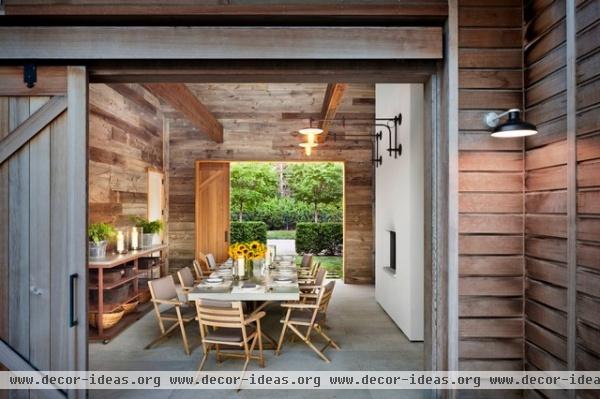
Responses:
[120,242]
[134,238]
[241,271]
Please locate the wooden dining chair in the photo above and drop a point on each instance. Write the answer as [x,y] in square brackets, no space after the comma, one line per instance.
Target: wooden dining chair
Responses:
[309,316]
[163,292]
[310,273]
[306,262]
[198,270]
[211,262]
[310,285]
[186,279]
[223,323]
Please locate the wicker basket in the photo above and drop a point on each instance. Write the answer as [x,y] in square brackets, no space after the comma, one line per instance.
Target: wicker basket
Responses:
[130,307]
[108,319]
[144,296]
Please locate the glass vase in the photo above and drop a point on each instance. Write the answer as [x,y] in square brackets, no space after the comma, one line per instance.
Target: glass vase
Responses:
[249,269]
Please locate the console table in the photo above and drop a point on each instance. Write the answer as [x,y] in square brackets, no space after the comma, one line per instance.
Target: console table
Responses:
[99,290]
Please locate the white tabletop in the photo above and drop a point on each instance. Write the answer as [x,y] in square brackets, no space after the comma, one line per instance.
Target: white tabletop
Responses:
[266,290]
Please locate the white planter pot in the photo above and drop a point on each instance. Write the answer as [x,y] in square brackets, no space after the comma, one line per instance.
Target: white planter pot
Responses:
[149,240]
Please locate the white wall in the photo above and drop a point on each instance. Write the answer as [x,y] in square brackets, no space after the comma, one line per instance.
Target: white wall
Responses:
[399,206]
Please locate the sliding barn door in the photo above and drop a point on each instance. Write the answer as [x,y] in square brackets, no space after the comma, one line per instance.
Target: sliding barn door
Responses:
[212,209]
[43,195]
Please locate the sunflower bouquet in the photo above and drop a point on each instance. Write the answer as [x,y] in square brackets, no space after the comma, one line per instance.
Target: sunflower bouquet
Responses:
[248,250]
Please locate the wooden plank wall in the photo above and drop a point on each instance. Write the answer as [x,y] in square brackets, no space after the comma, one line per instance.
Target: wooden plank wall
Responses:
[260,123]
[548,236]
[587,102]
[125,138]
[490,191]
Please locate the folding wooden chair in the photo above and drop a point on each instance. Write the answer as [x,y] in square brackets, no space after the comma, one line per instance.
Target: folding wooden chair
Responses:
[310,273]
[198,270]
[308,287]
[224,323]
[211,262]
[186,279]
[163,292]
[311,316]
[306,263]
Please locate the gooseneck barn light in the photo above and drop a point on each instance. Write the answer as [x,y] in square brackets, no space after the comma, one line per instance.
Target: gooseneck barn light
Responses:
[513,127]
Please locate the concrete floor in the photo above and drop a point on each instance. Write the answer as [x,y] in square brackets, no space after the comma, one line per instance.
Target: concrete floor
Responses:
[368,338]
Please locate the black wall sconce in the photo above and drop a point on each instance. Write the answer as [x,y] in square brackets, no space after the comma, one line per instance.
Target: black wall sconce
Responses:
[513,127]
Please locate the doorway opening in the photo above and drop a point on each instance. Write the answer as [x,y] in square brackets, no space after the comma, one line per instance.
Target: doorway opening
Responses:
[296,208]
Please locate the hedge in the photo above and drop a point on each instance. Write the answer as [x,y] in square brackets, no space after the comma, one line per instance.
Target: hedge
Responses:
[319,238]
[248,231]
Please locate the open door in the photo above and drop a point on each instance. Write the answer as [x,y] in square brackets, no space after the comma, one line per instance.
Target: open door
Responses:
[212,209]
[43,212]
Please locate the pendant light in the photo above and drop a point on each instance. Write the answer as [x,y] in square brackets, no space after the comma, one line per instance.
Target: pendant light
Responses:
[311,142]
[513,127]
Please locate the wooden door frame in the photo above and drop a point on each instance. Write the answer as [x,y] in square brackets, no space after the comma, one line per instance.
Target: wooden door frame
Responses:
[440,83]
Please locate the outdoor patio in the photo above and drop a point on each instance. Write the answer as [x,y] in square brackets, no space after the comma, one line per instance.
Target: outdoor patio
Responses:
[369,342]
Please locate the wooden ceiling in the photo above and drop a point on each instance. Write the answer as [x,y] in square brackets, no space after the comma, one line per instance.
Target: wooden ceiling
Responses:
[289,106]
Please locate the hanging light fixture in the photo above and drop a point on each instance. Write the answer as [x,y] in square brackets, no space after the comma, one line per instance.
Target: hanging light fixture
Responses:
[513,127]
[311,134]
[308,148]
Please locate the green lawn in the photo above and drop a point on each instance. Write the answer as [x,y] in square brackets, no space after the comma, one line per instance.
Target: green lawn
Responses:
[281,234]
[333,264]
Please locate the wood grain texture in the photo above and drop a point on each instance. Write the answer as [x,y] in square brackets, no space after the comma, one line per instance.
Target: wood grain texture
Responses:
[331,101]
[179,96]
[193,42]
[125,138]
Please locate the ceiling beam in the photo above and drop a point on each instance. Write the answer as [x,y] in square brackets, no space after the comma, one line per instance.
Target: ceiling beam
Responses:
[333,98]
[178,96]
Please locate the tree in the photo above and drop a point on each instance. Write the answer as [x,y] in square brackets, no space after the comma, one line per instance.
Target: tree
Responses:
[316,183]
[251,183]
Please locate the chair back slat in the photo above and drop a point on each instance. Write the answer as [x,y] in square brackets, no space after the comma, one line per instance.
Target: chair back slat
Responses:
[220,314]
[163,288]
[186,278]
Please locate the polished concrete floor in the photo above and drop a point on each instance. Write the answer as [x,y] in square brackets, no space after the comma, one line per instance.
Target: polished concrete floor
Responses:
[368,338]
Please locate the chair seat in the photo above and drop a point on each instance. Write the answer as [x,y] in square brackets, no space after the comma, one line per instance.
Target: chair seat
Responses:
[225,334]
[304,317]
[187,313]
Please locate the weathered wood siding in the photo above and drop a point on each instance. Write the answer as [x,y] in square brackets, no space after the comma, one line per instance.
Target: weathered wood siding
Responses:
[490,190]
[587,102]
[562,333]
[260,124]
[125,139]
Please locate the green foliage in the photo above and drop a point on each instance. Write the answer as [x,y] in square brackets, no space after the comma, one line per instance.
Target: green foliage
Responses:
[251,184]
[316,184]
[248,231]
[147,226]
[319,238]
[98,232]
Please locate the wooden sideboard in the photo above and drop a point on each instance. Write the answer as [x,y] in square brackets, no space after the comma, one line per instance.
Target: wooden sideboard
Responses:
[128,274]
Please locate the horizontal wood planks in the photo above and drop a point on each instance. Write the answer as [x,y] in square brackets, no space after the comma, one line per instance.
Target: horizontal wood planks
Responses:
[491,182]
[557,326]
[546,301]
[125,139]
[587,100]
[258,126]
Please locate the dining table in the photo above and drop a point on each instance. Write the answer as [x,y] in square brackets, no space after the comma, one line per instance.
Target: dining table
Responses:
[277,282]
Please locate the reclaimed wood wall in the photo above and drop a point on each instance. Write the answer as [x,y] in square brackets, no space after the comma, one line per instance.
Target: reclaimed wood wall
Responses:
[490,190]
[260,123]
[125,139]
[562,227]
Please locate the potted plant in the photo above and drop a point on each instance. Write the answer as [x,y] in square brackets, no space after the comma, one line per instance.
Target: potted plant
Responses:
[98,236]
[150,230]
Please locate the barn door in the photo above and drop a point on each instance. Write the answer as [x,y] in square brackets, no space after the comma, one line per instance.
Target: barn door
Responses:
[43,195]
[212,209]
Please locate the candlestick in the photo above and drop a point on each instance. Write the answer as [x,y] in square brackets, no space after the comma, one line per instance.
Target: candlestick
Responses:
[134,238]
[120,242]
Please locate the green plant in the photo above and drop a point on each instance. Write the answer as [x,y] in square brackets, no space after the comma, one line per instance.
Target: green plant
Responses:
[147,226]
[248,231]
[319,238]
[251,184]
[98,232]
